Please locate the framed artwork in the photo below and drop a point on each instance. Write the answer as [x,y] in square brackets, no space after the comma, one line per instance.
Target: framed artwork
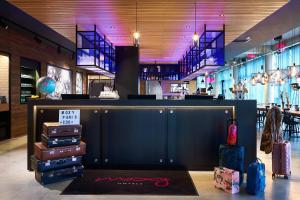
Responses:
[63,78]
[79,83]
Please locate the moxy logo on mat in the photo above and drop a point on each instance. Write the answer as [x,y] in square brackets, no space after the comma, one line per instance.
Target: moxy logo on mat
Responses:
[158,182]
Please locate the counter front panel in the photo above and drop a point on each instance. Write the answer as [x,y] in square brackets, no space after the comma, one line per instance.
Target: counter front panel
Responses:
[158,134]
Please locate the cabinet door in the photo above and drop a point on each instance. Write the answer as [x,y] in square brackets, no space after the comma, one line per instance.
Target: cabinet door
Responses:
[194,136]
[134,136]
[90,120]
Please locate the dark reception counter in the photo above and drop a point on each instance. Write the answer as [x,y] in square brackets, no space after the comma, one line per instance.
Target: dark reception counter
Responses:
[151,133]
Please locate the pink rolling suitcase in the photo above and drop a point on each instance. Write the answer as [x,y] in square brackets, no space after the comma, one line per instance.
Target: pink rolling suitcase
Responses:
[281,159]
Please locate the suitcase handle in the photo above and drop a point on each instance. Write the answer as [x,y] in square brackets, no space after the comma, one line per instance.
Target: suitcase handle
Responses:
[258,160]
[66,131]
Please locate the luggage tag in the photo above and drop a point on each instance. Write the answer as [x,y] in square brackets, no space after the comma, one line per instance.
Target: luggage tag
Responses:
[52,152]
[47,163]
[55,141]
[74,159]
[75,169]
[54,131]
[77,148]
[76,130]
[73,140]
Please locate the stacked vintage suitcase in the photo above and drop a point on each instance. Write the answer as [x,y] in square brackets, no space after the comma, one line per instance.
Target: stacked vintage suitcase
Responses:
[231,162]
[59,156]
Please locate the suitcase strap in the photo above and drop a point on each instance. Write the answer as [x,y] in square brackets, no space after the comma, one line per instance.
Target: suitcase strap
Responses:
[277,133]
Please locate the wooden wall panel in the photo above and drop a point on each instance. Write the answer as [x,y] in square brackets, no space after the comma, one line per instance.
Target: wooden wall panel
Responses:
[166,26]
[18,44]
[142,87]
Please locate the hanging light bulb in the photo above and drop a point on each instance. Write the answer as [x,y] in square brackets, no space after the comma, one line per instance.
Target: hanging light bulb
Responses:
[298,78]
[195,36]
[253,81]
[136,34]
[278,73]
[266,77]
[293,71]
[258,77]
[263,81]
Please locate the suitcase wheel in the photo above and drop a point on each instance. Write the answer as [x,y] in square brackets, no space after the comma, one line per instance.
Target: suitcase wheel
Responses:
[286,177]
[273,176]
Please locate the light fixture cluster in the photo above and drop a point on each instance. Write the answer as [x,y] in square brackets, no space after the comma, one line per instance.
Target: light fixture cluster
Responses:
[294,72]
[277,77]
[259,77]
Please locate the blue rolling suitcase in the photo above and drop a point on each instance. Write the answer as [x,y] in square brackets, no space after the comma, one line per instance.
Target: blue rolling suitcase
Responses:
[58,175]
[42,166]
[60,141]
[256,178]
[232,157]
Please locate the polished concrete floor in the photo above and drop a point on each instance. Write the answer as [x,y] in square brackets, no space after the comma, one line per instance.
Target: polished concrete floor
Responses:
[16,183]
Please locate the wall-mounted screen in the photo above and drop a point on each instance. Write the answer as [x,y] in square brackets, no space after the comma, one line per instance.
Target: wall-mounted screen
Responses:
[178,87]
[63,78]
[79,83]
[4,77]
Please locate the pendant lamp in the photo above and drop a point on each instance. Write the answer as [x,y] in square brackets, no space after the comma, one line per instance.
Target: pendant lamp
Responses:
[136,34]
[195,36]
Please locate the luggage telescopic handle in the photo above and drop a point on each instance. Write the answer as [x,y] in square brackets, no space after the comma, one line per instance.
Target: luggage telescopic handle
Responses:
[232,120]
[258,160]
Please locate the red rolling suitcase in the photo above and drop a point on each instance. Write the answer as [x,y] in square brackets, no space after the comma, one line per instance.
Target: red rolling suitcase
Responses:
[281,159]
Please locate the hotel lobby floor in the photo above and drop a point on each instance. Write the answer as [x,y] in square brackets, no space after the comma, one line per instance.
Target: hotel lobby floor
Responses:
[18,183]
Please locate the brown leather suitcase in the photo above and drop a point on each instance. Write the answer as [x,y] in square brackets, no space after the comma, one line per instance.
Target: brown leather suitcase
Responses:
[43,153]
[53,129]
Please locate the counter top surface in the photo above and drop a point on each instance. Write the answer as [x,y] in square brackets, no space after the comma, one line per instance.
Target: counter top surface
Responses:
[4,107]
[96,102]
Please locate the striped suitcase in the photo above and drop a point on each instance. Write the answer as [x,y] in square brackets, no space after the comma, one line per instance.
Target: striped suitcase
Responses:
[281,159]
